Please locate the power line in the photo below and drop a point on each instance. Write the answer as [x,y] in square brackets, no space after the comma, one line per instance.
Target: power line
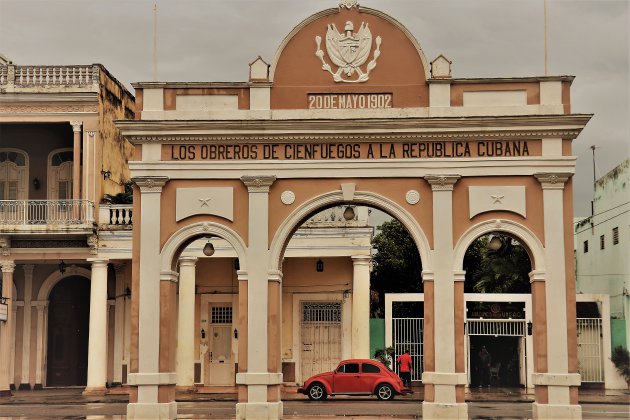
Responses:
[603,221]
[602,212]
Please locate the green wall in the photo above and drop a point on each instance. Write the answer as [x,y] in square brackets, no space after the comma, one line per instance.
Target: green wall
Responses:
[377,335]
[618,333]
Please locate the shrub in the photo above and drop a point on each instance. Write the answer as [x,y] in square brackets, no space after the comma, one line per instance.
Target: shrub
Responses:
[621,359]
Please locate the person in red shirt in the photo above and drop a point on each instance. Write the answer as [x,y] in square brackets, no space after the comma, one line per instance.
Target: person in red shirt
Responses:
[404,361]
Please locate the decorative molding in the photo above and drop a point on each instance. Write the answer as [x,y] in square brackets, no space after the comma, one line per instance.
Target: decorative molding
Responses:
[351,138]
[48,109]
[91,133]
[76,126]
[47,243]
[217,201]
[442,182]
[553,181]
[427,275]
[150,184]
[172,276]
[412,197]
[348,190]
[510,198]
[5,245]
[349,50]
[7,266]
[275,276]
[287,197]
[348,4]
[92,242]
[260,184]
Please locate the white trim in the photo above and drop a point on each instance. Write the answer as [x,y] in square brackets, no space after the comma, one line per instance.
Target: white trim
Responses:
[52,191]
[287,227]
[55,277]
[198,230]
[533,245]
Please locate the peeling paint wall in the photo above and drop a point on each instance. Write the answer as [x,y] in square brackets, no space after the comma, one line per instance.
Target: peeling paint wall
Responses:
[115,103]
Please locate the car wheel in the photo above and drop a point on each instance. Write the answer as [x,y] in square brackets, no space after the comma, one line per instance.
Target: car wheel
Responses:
[317,392]
[385,392]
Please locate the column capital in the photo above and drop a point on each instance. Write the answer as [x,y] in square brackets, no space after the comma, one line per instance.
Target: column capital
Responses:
[275,275]
[427,275]
[7,266]
[258,183]
[76,126]
[187,261]
[442,182]
[91,133]
[361,259]
[241,275]
[150,184]
[537,275]
[98,262]
[459,275]
[171,276]
[28,269]
[553,181]
[5,245]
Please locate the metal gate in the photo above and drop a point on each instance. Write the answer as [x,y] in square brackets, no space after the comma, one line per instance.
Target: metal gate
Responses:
[590,361]
[408,334]
[503,327]
[321,337]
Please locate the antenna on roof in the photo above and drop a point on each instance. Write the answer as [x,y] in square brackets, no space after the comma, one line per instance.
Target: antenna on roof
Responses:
[593,147]
[155,41]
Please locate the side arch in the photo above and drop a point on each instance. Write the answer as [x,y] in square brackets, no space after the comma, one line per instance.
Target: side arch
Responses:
[56,277]
[174,243]
[532,244]
[288,226]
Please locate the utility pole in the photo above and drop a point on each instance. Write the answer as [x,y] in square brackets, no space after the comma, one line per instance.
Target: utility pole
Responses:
[545,12]
[155,41]
[594,185]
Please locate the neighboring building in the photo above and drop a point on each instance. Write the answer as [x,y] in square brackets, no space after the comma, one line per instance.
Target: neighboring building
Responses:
[350,112]
[601,247]
[60,154]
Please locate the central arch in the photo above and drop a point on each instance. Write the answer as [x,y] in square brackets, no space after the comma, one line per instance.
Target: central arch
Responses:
[288,226]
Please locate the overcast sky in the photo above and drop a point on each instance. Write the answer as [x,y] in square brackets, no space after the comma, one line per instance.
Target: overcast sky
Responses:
[214,40]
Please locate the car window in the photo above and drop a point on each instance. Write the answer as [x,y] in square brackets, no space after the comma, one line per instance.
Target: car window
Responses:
[370,368]
[349,368]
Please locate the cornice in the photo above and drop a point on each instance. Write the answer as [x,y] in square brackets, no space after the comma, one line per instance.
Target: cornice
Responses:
[396,129]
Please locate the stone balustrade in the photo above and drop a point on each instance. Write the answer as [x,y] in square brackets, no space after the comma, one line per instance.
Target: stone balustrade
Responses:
[48,76]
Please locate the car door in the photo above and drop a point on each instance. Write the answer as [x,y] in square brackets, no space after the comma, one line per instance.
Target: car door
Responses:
[370,376]
[346,379]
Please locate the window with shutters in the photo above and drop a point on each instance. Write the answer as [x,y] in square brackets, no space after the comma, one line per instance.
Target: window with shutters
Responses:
[585,246]
[13,174]
[615,235]
[602,242]
[60,174]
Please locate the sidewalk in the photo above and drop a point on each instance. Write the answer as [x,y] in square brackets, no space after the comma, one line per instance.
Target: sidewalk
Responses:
[73,396]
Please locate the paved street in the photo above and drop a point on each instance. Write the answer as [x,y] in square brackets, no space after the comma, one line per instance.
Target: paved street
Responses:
[346,408]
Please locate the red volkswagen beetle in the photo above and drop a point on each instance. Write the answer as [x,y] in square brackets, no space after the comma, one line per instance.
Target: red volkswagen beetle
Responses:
[355,377]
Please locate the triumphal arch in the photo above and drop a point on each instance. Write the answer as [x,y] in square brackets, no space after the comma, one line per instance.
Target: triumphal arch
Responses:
[350,112]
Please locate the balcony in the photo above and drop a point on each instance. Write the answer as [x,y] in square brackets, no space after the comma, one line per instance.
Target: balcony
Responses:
[46,216]
[115,216]
[80,78]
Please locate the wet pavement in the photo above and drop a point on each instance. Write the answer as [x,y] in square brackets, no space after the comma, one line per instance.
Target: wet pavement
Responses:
[69,403]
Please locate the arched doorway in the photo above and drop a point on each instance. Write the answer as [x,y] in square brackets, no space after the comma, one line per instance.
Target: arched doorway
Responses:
[68,331]
[498,310]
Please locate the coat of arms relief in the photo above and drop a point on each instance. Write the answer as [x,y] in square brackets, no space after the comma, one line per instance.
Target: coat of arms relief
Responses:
[349,50]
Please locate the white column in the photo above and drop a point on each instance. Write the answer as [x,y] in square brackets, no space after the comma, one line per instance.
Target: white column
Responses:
[361,307]
[148,378]
[557,379]
[76,159]
[41,336]
[257,377]
[97,344]
[7,268]
[185,364]
[119,326]
[26,327]
[444,379]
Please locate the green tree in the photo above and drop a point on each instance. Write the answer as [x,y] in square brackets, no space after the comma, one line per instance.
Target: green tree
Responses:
[504,270]
[396,265]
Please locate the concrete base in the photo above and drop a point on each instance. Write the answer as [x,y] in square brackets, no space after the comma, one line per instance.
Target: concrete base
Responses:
[95,391]
[24,387]
[152,411]
[556,411]
[38,387]
[444,411]
[259,411]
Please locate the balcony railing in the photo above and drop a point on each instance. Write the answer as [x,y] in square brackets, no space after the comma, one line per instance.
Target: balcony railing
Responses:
[27,78]
[25,214]
[115,216]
